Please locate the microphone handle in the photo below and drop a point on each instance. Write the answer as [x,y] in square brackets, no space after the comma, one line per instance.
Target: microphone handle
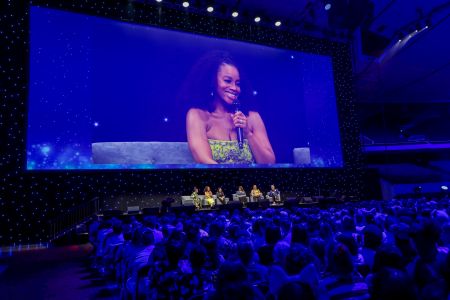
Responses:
[240,137]
[240,132]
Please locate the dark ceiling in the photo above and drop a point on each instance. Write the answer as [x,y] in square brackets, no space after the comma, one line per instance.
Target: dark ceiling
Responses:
[417,69]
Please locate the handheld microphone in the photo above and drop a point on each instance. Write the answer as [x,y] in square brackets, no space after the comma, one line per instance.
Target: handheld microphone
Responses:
[240,133]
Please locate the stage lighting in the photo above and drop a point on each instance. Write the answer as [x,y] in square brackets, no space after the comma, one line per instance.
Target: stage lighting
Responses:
[235,14]
[278,23]
[444,188]
[185,4]
[328,6]
[210,9]
[257,19]
[158,0]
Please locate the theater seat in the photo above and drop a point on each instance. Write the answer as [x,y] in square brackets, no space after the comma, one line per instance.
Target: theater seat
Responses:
[141,153]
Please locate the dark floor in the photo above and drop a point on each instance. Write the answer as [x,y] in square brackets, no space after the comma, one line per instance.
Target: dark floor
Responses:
[55,273]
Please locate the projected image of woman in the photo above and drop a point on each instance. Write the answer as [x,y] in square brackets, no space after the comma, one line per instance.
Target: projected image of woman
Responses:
[212,90]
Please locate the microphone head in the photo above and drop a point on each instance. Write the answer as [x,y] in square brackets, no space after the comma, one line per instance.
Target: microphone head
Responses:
[237,104]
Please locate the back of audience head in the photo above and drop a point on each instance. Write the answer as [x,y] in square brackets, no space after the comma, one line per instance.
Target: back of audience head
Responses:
[232,283]
[280,251]
[297,258]
[325,231]
[388,256]
[174,251]
[151,222]
[216,229]
[147,237]
[258,226]
[265,254]
[435,290]
[299,234]
[318,247]
[342,263]
[117,227]
[197,257]
[192,231]
[426,235]
[445,234]
[373,237]
[137,236]
[273,234]
[295,290]
[348,240]
[245,251]
[392,284]
[348,225]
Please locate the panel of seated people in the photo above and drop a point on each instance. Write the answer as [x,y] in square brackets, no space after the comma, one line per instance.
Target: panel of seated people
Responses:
[189,201]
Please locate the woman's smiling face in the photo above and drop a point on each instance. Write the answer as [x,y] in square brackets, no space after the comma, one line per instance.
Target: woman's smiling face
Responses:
[228,83]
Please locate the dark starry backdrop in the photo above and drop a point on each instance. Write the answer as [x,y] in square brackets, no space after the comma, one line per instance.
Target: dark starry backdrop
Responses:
[31,199]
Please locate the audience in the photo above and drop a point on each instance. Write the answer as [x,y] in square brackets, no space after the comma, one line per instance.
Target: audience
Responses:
[394,249]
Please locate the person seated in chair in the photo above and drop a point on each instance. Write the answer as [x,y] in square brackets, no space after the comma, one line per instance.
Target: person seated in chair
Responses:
[196,199]
[220,195]
[274,194]
[209,197]
[242,195]
[256,194]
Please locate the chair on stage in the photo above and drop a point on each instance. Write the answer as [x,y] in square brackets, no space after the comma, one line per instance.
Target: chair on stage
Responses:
[218,201]
[274,200]
[236,197]
[187,201]
[252,199]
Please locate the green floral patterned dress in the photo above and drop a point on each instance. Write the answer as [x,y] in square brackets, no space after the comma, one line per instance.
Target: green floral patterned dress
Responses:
[228,152]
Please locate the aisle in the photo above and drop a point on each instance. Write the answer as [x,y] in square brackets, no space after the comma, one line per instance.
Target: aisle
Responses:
[55,273]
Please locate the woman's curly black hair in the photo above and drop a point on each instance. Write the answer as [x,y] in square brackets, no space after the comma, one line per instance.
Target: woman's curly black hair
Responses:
[201,82]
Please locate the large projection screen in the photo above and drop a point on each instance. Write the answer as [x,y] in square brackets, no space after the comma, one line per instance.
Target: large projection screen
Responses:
[106,94]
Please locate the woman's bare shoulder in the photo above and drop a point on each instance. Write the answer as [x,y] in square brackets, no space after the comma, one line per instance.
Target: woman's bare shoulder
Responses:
[254,117]
[198,114]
